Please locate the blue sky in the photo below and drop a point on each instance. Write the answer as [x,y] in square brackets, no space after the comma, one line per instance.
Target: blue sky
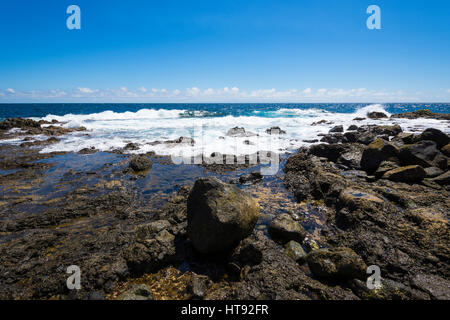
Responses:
[188,51]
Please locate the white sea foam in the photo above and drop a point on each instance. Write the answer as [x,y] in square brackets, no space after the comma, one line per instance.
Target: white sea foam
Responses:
[110,130]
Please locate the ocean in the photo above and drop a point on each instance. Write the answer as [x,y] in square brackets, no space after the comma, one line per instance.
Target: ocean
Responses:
[112,126]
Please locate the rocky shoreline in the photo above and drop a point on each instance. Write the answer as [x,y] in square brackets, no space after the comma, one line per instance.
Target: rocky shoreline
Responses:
[358,196]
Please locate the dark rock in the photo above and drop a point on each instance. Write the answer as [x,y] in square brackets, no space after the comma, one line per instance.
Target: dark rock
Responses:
[338,264]
[443,179]
[284,229]
[435,286]
[433,172]
[219,215]
[332,138]
[376,115]
[275,130]
[329,151]
[384,167]
[339,128]
[377,152]
[366,138]
[20,123]
[408,174]
[359,119]
[140,163]
[351,158]
[424,113]
[353,127]
[421,153]
[131,146]
[90,150]
[440,138]
[351,136]
[387,130]
[446,150]
[311,141]
[239,132]
[253,177]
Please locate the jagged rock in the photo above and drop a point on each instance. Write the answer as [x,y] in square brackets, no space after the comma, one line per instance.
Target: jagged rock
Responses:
[366,138]
[387,130]
[275,130]
[339,128]
[376,115]
[351,158]
[219,215]
[140,163]
[352,136]
[435,286]
[377,152]
[443,179]
[408,174]
[384,167]
[338,264]
[422,153]
[433,172]
[353,127]
[284,229]
[332,138]
[132,146]
[424,113]
[329,151]
[440,138]
[239,132]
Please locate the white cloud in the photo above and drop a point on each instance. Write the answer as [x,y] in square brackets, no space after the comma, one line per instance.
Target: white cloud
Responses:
[225,94]
[85,90]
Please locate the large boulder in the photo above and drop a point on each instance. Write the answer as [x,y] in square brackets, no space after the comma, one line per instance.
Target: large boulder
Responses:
[329,151]
[440,138]
[408,174]
[376,115]
[421,153]
[338,264]
[387,130]
[284,229]
[219,215]
[377,152]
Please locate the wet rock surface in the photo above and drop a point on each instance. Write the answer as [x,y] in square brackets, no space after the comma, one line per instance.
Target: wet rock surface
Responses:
[380,199]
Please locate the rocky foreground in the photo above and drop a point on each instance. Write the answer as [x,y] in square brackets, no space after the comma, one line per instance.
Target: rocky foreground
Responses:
[384,194]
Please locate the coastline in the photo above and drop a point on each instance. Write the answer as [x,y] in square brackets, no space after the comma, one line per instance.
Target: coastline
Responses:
[126,228]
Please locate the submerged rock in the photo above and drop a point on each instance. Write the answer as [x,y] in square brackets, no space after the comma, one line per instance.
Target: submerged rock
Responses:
[424,113]
[294,250]
[338,264]
[140,163]
[219,215]
[239,132]
[284,229]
